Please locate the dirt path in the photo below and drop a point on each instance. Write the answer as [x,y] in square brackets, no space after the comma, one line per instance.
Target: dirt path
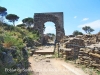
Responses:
[52,66]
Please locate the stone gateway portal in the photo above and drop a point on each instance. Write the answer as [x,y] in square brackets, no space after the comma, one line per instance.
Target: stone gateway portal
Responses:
[57,18]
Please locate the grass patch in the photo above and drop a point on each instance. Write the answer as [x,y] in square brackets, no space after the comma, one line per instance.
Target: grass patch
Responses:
[98,72]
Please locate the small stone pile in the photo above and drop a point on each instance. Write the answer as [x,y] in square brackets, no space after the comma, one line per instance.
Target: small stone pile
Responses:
[90,57]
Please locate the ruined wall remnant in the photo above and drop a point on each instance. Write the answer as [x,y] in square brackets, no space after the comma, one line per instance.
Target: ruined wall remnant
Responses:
[57,18]
[76,44]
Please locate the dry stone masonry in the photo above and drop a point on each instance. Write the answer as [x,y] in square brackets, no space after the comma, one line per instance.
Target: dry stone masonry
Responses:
[67,53]
[85,47]
[74,44]
[90,56]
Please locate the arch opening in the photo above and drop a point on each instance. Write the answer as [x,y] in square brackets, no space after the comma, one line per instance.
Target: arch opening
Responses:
[49,32]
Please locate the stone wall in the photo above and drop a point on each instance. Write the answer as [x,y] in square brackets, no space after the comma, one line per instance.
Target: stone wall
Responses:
[90,57]
[67,53]
[85,47]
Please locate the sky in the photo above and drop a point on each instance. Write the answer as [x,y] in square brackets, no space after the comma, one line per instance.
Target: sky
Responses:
[77,13]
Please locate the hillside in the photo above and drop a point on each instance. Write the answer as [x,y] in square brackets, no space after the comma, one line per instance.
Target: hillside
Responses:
[14,43]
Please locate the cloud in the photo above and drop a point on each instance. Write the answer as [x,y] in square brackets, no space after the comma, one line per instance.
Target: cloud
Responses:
[94,24]
[49,29]
[75,16]
[85,19]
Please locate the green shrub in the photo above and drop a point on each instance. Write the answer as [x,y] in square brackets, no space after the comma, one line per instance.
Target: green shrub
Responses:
[9,27]
[12,41]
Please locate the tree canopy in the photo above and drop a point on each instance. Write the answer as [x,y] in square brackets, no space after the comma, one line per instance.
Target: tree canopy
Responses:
[28,21]
[88,29]
[3,12]
[12,18]
[76,32]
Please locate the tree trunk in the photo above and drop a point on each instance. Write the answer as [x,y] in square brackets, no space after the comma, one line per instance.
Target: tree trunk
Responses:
[13,23]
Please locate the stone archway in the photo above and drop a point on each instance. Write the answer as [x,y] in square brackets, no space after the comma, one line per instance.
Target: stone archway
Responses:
[57,18]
